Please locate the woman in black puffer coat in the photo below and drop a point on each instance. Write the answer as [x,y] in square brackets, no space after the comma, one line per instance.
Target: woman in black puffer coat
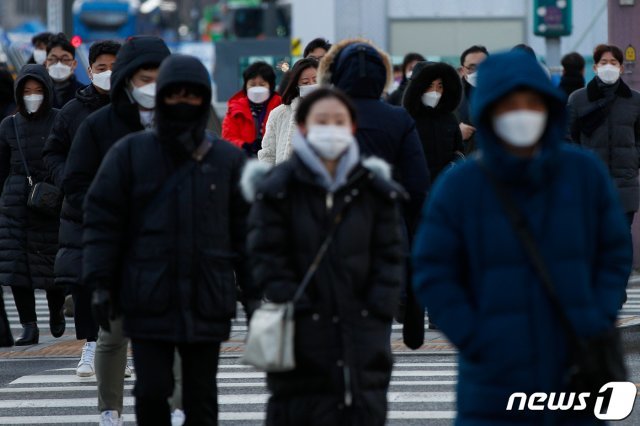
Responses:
[28,239]
[343,320]
[431,97]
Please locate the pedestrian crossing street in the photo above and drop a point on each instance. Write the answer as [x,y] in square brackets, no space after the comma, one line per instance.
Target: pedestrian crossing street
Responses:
[421,392]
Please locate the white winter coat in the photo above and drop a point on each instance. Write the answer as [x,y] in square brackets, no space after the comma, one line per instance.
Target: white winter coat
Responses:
[281,126]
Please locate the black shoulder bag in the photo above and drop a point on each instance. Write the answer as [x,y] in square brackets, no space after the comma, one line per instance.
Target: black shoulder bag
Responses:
[593,361]
[43,197]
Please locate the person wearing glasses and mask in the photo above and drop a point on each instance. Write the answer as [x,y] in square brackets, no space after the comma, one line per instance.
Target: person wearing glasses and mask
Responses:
[61,65]
[102,56]
[469,61]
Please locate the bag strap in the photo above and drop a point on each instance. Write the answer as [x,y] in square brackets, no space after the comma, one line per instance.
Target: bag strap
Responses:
[24,160]
[519,224]
[177,176]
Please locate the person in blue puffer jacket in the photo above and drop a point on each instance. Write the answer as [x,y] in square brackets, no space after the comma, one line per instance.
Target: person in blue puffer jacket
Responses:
[470,268]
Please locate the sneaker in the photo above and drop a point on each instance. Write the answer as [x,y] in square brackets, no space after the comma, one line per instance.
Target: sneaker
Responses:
[85,366]
[128,371]
[177,417]
[111,418]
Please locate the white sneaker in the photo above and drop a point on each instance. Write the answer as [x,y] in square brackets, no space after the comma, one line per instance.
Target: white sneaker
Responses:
[177,417]
[111,418]
[85,366]
[128,371]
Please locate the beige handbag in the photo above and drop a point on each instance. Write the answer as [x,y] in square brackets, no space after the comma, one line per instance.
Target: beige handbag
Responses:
[270,341]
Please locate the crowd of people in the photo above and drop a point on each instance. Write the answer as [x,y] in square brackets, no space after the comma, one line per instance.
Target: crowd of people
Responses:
[162,226]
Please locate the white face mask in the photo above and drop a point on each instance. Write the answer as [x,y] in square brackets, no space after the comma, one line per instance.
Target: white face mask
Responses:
[472,79]
[306,90]
[32,102]
[609,74]
[431,99]
[258,94]
[60,71]
[102,80]
[330,141]
[521,128]
[40,56]
[145,95]
[409,74]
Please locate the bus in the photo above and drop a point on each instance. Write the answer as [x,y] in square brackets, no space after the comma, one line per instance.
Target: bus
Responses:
[105,19]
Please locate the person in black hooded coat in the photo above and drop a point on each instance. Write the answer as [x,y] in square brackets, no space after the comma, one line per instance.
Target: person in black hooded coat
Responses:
[185,244]
[436,123]
[96,135]
[28,239]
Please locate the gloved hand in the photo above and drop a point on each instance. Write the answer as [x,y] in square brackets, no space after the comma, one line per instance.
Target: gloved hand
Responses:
[101,308]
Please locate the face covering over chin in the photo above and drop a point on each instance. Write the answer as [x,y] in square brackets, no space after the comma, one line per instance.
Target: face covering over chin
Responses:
[181,125]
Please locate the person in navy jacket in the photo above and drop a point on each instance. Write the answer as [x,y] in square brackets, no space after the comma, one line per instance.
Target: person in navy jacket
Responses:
[471,270]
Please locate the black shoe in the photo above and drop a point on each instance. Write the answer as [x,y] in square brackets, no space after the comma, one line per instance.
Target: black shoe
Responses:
[30,335]
[57,323]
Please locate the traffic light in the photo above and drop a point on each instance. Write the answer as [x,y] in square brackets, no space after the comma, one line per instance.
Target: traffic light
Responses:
[552,18]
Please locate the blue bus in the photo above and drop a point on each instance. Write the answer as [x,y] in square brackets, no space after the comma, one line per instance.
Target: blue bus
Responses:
[104,19]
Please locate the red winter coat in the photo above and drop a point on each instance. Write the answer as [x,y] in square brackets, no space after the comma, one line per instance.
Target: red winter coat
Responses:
[238,126]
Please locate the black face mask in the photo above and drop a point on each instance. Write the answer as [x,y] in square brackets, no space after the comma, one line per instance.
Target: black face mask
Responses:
[181,126]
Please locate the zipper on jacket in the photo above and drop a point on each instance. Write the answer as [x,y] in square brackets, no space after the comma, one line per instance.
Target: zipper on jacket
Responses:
[348,397]
[329,200]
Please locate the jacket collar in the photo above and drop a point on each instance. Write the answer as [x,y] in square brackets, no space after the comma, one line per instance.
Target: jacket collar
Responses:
[594,93]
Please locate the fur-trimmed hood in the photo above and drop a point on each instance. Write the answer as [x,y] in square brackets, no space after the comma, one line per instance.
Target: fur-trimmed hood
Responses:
[358,68]
[255,173]
[424,74]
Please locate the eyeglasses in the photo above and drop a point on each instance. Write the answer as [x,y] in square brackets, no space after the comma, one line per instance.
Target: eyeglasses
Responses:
[471,68]
[52,60]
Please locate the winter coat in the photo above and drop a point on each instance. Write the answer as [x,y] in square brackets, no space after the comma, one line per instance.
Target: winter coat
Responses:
[464,115]
[238,126]
[395,98]
[175,266]
[384,131]
[103,128]
[616,141]
[343,321]
[276,144]
[65,91]
[571,82]
[28,239]
[67,269]
[472,273]
[438,127]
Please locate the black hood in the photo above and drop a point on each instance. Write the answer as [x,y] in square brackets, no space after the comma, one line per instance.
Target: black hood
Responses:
[38,73]
[134,53]
[176,70]
[91,98]
[423,75]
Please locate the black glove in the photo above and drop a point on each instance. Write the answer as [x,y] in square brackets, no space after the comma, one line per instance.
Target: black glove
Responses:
[101,308]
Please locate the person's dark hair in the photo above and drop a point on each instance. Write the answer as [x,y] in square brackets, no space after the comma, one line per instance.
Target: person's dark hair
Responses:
[408,58]
[292,91]
[60,40]
[601,49]
[314,44]
[41,38]
[476,48]
[323,93]
[573,63]
[261,69]
[106,47]
[525,48]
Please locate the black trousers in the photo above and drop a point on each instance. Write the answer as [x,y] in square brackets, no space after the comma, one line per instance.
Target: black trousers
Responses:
[86,327]
[26,302]
[153,362]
